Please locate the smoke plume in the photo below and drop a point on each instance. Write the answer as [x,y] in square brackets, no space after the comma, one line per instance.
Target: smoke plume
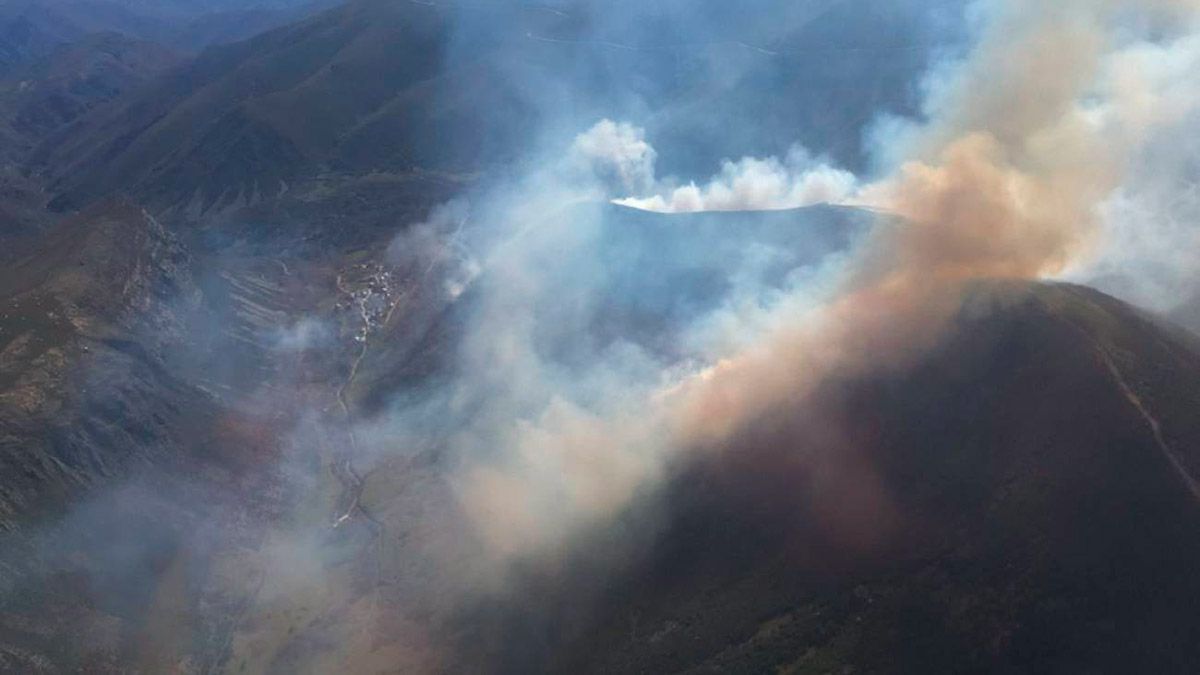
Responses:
[560,356]
[1023,141]
[755,184]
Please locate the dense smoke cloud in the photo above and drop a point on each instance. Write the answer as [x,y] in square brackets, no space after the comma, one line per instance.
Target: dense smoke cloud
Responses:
[1023,140]
[618,152]
[1148,239]
[1063,143]
[1026,138]
[550,361]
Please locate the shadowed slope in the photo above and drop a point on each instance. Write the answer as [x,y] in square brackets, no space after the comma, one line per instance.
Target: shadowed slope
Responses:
[381,86]
[1023,497]
[41,97]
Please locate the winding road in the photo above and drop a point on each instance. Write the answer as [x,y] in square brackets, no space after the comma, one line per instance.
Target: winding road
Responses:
[344,470]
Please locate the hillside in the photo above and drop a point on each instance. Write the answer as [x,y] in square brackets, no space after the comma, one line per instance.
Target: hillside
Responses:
[216,130]
[87,314]
[1022,495]
[1022,499]
[43,96]
[396,87]
[324,350]
[133,432]
[32,29]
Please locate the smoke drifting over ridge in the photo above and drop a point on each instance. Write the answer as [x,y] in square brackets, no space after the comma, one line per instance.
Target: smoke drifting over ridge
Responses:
[583,353]
[540,426]
[1007,177]
[752,183]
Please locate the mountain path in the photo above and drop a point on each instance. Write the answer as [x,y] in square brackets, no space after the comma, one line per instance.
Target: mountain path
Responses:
[1130,395]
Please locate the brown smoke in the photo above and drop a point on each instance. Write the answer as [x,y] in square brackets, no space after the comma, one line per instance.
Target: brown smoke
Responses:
[1004,183]
[1023,140]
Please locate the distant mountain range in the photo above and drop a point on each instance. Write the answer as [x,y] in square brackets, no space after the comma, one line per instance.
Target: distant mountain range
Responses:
[377,85]
[31,29]
[47,93]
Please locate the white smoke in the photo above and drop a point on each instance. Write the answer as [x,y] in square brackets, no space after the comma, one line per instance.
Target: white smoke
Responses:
[436,244]
[756,184]
[618,152]
[303,335]
[1148,245]
[1056,110]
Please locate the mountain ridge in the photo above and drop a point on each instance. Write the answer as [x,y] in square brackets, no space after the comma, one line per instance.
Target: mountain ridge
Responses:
[1010,501]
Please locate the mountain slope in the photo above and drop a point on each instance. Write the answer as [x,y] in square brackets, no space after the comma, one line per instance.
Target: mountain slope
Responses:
[32,29]
[126,441]
[1022,499]
[87,312]
[1021,496]
[49,93]
[217,130]
[377,86]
